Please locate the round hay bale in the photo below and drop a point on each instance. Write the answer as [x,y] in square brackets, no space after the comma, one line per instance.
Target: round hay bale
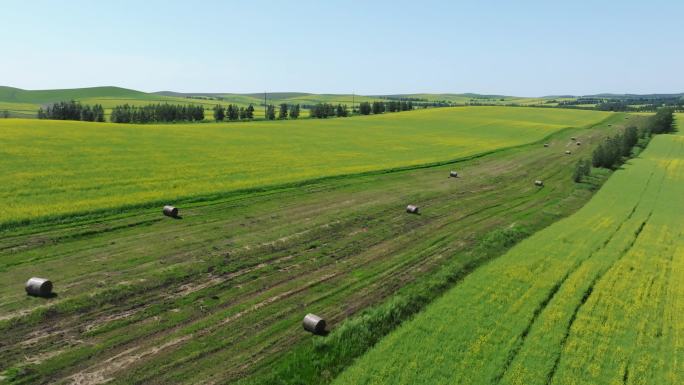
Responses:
[39,287]
[453,174]
[579,143]
[411,209]
[567,152]
[573,138]
[538,183]
[170,211]
[546,145]
[314,324]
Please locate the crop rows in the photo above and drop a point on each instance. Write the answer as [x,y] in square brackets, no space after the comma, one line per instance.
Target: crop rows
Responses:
[220,293]
[593,299]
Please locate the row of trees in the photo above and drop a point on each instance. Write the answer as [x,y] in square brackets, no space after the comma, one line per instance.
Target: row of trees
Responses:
[326,110]
[152,113]
[616,149]
[233,112]
[72,110]
[285,111]
[365,108]
[613,151]
[626,103]
[662,122]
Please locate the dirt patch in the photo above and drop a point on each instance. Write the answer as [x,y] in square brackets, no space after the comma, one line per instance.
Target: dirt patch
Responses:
[112,317]
[102,373]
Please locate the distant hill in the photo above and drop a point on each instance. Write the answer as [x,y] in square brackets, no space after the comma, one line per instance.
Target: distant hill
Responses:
[17,95]
[635,96]
[25,103]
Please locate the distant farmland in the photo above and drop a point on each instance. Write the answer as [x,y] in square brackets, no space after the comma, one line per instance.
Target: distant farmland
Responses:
[55,168]
[25,103]
[596,298]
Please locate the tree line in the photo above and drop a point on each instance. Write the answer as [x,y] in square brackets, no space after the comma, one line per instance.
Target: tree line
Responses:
[153,113]
[285,111]
[614,150]
[233,112]
[626,103]
[377,107]
[326,110]
[72,110]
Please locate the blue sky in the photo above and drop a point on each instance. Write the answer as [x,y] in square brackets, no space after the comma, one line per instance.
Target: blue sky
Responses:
[526,48]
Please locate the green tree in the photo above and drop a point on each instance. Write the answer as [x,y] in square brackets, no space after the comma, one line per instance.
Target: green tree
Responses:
[342,110]
[378,107]
[663,121]
[270,112]
[249,112]
[6,114]
[364,108]
[219,113]
[282,111]
[598,156]
[582,169]
[233,112]
[294,111]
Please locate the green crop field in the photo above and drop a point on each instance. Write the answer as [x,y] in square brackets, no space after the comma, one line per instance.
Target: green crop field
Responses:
[597,298]
[219,295]
[56,168]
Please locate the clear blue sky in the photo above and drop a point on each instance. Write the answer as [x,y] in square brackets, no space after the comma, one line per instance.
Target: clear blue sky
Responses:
[526,48]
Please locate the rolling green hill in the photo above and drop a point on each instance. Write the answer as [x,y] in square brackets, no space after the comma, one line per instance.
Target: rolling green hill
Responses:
[16,95]
[25,103]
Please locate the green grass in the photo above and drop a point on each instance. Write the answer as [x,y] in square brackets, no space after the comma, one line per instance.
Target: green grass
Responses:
[219,294]
[594,299]
[16,95]
[56,168]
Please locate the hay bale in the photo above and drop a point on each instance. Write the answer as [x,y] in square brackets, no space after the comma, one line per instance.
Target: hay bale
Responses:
[314,324]
[567,152]
[170,211]
[39,287]
[453,174]
[579,143]
[411,209]
[546,145]
[573,138]
[538,183]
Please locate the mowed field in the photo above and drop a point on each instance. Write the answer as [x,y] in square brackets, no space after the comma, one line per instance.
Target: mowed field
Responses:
[220,294]
[597,298]
[57,168]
